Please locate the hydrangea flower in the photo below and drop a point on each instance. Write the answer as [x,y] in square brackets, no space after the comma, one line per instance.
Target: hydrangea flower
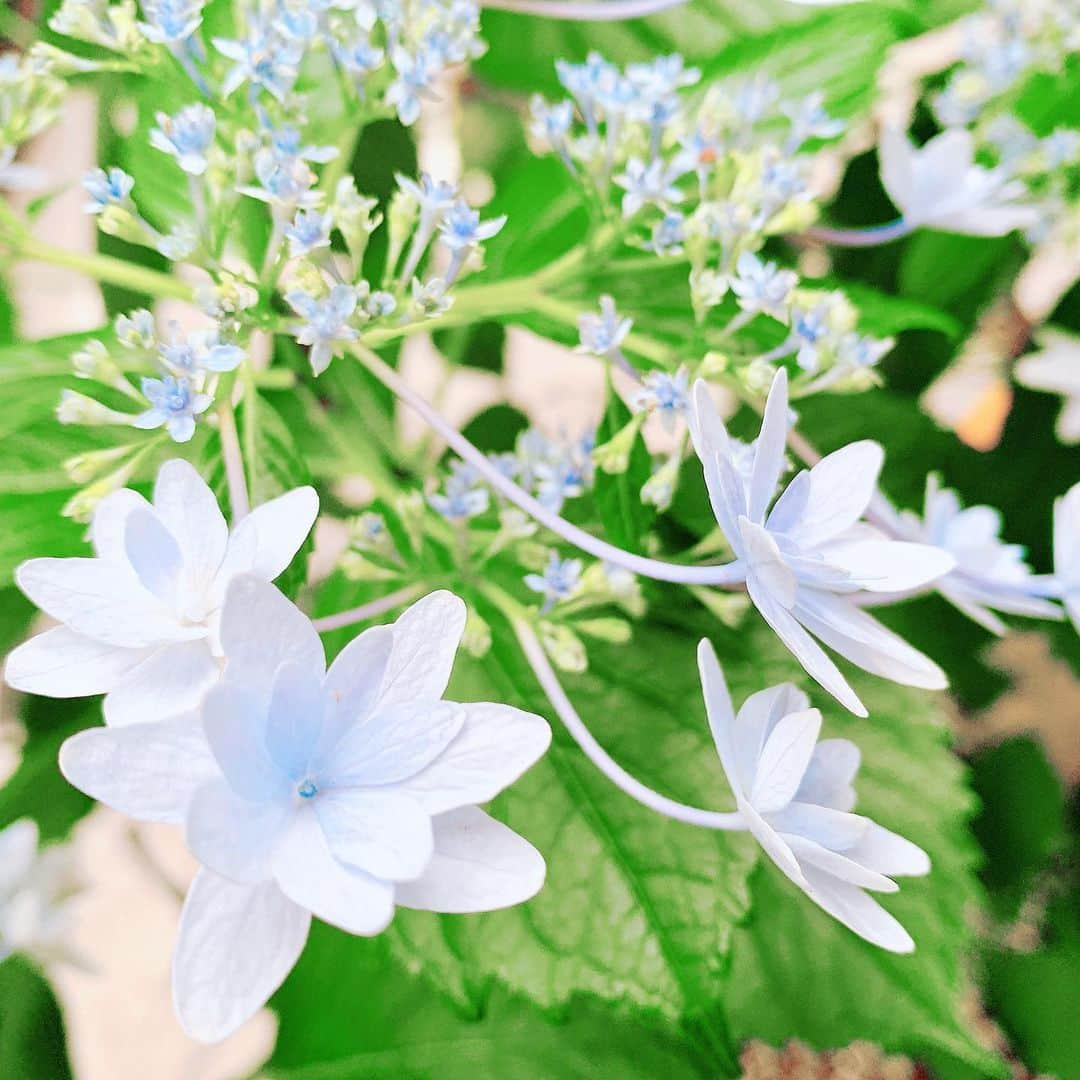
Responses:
[647,183]
[559,581]
[463,496]
[940,186]
[337,792]
[187,136]
[170,22]
[112,188]
[461,232]
[1055,368]
[264,59]
[200,351]
[602,335]
[174,405]
[35,887]
[667,395]
[989,573]
[796,796]
[140,618]
[763,286]
[309,231]
[806,556]
[415,73]
[327,323]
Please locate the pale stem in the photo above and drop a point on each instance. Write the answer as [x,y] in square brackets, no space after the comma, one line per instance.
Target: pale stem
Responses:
[584,10]
[661,804]
[868,237]
[370,610]
[233,459]
[728,574]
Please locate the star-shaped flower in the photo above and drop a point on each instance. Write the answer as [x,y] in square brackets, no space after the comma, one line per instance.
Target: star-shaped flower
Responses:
[337,792]
[140,618]
[807,555]
[940,186]
[796,796]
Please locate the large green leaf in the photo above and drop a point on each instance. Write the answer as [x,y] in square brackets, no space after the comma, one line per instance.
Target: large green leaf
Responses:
[662,919]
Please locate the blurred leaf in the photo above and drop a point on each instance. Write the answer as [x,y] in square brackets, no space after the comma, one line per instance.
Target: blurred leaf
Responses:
[479,345]
[625,517]
[33,527]
[495,429]
[32,1045]
[1022,820]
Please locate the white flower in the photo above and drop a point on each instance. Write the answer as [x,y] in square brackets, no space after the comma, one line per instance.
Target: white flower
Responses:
[989,573]
[1067,551]
[940,186]
[339,793]
[805,557]
[1056,368]
[140,618]
[34,890]
[796,796]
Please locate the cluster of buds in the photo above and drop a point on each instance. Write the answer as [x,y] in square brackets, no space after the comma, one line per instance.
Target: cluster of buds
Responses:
[390,56]
[708,176]
[30,99]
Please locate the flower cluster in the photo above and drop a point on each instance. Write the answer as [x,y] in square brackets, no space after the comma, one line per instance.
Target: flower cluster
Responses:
[30,99]
[339,791]
[709,175]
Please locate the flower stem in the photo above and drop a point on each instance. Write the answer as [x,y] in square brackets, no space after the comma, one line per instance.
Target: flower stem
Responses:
[868,237]
[549,682]
[107,269]
[369,610]
[728,574]
[584,10]
[233,458]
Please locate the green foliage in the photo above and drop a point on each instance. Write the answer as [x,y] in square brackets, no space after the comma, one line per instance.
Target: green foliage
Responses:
[31,1027]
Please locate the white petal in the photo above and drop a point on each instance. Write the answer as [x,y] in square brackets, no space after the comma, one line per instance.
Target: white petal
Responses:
[351,686]
[886,566]
[888,853]
[295,718]
[188,509]
[784,759]
[18,851]
[804,648]
[154,555]
[101,600]
[382,832]
[857,911]
[841,486]
[479,865]
[828,780]
[864,641]
[110,519]
[769,458]
[719,710]
[772,843]
[266,541]
[394,744]
[235,723]
[148,771]
[843,867]
[1068,425]
[426,637]
[234,836]
[707,430]
[757,717]
[1056,369]
[261,629]
[897,158]
[310,875]
[235,945]
[61,663]
[833,829]
[173,679]
[763,558]
[1067,536]
[496,745]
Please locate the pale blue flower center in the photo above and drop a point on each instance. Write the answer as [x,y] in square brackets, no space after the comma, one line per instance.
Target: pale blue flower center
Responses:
[306,789]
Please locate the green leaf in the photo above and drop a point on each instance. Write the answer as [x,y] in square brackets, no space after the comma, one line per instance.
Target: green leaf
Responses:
[626,519]
[495,429]
[479,345]
[661,919]
[34,527]
[32,1045]
[405,1032]
[1018,835]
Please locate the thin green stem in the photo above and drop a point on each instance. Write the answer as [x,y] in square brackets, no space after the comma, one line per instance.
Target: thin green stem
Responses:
[231,453]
